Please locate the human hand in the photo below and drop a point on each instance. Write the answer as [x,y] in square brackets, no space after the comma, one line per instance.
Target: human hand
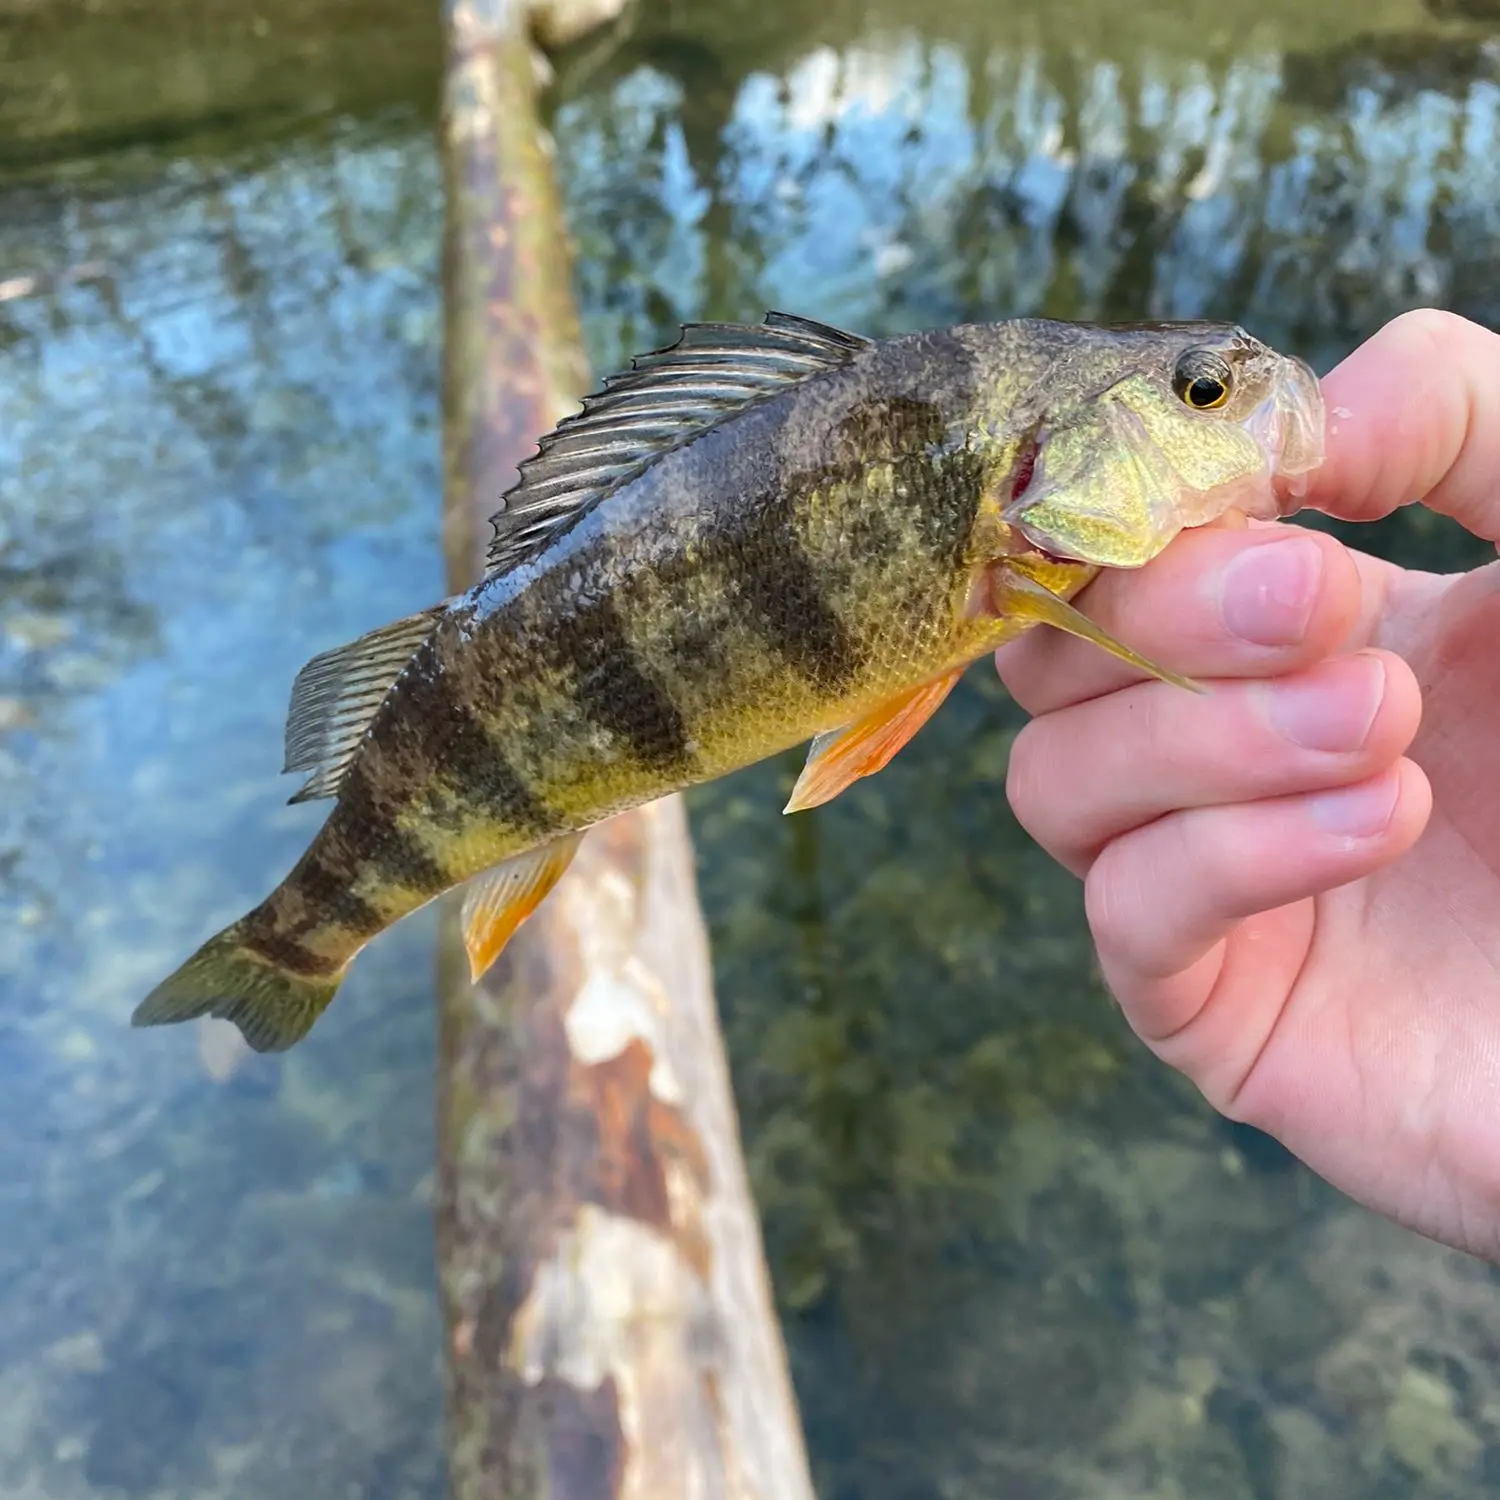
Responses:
[1294,881]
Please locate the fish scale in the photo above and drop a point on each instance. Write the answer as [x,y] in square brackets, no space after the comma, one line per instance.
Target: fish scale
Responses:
[759,536]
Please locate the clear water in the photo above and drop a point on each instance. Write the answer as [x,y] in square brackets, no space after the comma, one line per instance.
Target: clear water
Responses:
[1014,1255]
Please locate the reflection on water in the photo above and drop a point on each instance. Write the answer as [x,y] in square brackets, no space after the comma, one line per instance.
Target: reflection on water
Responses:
[1014,1254]
[219,455]
[908,189]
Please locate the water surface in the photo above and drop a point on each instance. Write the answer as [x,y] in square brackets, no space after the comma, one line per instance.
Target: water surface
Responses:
[1013,1253]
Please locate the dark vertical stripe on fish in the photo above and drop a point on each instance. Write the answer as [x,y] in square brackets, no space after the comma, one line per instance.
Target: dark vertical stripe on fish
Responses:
[368,835]
[616,692]
[287,952]
[445,733]
[785,604]
[473,763]
[317,894]
[266,938]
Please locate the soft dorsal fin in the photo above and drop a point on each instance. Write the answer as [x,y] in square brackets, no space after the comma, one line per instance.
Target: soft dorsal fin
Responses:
[335,697]
[665,400]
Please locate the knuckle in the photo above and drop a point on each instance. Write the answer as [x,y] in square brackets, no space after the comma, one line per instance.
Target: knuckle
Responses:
[1152,886]
[1211,861]
[1016,669]
[1109,904]
[1026,777]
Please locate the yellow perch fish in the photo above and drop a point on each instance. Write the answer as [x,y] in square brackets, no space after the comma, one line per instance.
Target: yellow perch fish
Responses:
[759,536]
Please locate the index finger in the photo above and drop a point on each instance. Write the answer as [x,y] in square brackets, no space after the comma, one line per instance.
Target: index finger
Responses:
[1414,415]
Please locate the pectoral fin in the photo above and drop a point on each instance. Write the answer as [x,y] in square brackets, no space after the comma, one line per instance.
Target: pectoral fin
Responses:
[840,757]
[1020,597]
[498,901]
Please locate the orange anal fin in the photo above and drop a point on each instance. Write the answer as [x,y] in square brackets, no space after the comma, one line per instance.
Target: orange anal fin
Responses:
[499,900]
[839,758]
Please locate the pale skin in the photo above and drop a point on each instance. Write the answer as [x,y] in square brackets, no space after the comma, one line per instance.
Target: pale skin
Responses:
[1294,882]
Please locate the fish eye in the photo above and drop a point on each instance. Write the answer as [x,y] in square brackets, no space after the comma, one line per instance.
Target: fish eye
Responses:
[1202,380]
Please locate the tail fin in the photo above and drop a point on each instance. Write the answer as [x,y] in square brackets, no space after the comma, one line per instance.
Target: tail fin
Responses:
[272,1006]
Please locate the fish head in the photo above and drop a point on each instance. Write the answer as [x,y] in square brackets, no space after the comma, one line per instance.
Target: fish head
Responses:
[1150,429]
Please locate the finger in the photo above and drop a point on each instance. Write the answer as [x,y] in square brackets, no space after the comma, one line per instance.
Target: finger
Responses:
[1161,898]
[1087,774]
[1216,603]
[1414,414]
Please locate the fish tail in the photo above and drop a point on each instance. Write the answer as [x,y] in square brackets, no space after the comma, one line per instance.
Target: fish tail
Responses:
[272,1006]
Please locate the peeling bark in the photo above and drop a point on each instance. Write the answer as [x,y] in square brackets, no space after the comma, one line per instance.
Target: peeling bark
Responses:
[611,1334]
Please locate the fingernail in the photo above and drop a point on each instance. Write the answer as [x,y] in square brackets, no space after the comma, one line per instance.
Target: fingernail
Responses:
[1331,707]
[1268,592]
[1357,812]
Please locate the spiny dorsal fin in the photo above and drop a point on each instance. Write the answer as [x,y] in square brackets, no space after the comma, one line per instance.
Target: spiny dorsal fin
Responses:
[665,400]
[335,697]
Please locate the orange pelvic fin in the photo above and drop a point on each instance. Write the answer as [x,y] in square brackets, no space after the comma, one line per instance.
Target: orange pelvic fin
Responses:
[498,901]
[840,757]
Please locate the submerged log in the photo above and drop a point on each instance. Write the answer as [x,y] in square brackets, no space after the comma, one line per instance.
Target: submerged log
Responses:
[611,1333]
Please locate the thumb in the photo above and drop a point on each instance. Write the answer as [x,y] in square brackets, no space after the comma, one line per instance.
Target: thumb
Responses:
[1414,415]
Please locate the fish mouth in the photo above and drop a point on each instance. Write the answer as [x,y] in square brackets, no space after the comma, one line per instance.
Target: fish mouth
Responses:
[1288,426]
[1039,549]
